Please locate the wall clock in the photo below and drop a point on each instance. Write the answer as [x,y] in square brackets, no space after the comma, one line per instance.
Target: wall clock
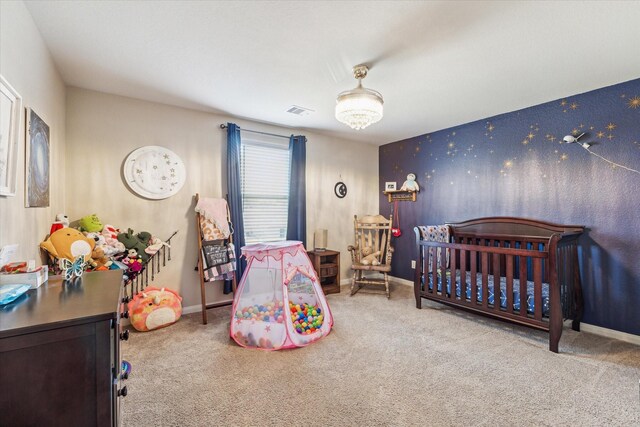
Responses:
[154,172]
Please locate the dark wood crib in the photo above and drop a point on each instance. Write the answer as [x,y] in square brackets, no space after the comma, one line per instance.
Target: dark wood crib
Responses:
[533,263]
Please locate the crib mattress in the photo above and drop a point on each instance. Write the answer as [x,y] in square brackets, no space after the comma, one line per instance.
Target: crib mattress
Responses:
[503,291]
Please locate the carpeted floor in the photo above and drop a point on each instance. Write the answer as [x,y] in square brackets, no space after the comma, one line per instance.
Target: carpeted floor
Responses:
[386,363]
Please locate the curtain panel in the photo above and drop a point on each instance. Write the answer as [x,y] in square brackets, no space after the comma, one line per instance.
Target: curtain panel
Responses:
[234,194]
[297,215]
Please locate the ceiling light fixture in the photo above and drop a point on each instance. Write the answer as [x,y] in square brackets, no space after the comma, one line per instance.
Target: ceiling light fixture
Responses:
[359,107]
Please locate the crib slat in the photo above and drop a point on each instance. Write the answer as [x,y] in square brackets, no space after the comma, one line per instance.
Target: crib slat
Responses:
[545,264]
[496,281]
[537,288]
[485,280]
[463,275]
[523,285]
[425,268]
[454,275]
[434,268]
[509,271]
[474,277]
[443,270]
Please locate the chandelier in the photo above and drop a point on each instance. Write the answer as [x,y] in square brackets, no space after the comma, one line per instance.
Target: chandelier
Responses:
[359,107]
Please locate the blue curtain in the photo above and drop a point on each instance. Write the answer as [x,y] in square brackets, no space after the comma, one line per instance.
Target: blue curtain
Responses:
[297,216]
[234,196]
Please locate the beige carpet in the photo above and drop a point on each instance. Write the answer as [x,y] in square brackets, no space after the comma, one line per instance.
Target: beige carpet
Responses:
[386,363]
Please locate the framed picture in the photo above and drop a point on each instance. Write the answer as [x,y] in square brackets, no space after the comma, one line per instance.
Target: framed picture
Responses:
[10,113]
[389,186]
[37,161]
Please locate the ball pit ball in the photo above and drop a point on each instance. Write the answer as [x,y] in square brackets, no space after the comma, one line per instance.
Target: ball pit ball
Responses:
[306,318]
[271,311]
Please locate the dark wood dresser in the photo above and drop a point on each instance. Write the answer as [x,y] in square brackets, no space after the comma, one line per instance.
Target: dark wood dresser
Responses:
[327,266]
[60,353]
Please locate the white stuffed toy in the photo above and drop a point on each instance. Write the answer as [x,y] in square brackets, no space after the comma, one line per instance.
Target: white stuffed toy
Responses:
[62,219]
[410,184]
[112,245]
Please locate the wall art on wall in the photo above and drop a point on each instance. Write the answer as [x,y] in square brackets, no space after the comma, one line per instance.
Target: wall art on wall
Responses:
[154,172]
[10,106]
[37,161]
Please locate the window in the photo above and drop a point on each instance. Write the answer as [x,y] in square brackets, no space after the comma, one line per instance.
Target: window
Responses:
[264,176]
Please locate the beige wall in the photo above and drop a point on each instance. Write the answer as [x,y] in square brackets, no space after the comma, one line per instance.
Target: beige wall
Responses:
[26,64]
[103,129]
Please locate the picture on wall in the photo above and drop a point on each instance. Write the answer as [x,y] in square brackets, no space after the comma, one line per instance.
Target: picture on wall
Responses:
[37,161]
[10,105]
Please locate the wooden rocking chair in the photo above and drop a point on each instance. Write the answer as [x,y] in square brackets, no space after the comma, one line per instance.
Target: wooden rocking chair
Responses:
[372,252]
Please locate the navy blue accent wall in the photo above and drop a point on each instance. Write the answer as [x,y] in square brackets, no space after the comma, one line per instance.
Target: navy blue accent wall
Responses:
[516,164]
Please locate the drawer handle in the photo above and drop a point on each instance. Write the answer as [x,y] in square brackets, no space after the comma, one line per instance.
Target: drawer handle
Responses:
[123,391]
[126,299]
[125,314]
[124,336]
[125,376]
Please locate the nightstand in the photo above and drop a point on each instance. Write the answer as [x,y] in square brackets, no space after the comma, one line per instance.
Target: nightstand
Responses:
[327,266]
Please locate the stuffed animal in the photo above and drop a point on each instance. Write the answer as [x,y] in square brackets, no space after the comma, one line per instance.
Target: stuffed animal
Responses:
[144,237]
[68,243]
[369,257]
[132,253]
[154,308]
[134,265]
[410,184]
[90,223]
[110,232]
[112,245]
[97,237]
[62,219]
[131,241]
[61,222]
[100,260]
[155,245]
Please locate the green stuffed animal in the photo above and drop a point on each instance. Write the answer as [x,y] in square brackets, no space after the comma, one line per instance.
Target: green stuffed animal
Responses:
[91,223]
[145,237]
[131,241]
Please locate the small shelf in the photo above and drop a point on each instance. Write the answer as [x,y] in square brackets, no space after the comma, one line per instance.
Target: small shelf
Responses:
[327,266]
[400,195]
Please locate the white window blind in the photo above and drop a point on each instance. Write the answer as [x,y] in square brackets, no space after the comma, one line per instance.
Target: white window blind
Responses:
[264,175]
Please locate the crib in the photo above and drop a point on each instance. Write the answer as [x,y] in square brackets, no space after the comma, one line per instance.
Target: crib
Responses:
[519,270]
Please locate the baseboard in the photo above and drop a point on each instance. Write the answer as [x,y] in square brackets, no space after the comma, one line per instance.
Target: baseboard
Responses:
[196,308]
[609,333]
[400,281]
[393,279]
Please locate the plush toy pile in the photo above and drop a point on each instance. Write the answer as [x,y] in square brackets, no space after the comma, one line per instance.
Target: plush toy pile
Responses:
[98,246]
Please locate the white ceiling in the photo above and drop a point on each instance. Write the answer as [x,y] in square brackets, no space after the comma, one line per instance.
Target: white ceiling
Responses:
[437,63]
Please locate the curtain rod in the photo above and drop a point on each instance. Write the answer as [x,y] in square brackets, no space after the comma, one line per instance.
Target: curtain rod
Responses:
[223,126]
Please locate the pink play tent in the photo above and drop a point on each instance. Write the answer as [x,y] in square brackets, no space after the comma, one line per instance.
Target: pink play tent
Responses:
[279,302]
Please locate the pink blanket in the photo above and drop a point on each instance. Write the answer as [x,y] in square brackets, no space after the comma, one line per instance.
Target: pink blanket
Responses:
[215,210]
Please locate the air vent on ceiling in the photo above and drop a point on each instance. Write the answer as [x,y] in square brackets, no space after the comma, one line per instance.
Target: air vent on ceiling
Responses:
[299,111]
